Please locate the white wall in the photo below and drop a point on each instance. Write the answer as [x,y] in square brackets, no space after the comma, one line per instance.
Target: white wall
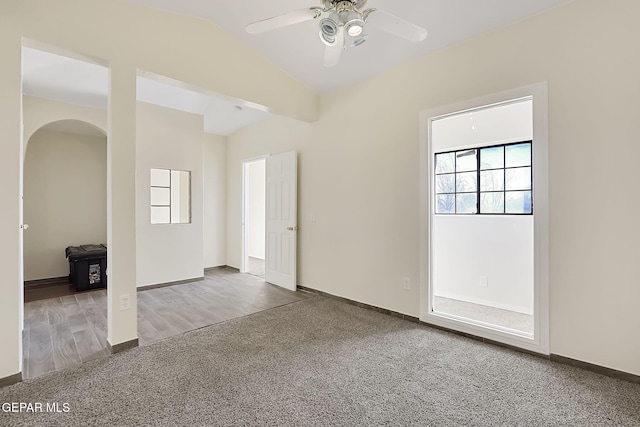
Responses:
[256,209]
[65,199]
[499,248]
[215,200]
[359,172]
[168,139]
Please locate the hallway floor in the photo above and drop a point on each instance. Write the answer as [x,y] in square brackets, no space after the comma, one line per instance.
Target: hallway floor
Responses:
[256,267]
[483,313]
[66,331]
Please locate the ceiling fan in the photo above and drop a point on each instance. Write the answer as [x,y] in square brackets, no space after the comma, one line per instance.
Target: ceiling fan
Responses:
[343,23]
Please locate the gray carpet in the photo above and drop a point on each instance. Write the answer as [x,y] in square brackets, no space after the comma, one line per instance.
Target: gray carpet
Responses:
[322,362]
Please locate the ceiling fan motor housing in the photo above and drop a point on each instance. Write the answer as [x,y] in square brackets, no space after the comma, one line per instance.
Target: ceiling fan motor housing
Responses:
[357,4]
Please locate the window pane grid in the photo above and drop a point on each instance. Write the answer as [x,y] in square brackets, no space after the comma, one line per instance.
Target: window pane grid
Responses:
[170,196]
[500,182]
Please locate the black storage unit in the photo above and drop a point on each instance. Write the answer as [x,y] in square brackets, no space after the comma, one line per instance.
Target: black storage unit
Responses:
[87,266]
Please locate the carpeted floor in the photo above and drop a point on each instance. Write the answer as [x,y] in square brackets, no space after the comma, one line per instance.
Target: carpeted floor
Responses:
[322,362]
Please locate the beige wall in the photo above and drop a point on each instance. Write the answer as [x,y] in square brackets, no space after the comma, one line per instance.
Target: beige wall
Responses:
[168,139]
[43,257]
[359,162]
[359,168]
[65,199]
[40,112]
[192,52]
[215,200]
[11,157]
[126,38]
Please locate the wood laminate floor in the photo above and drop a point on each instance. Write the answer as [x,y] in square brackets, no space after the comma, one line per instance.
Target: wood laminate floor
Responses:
[57,290]
[256,266]
[65,331]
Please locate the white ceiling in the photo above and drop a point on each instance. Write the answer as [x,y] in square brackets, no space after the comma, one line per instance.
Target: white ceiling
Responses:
[63,79]
[298,50]
[52,76]
[221,116]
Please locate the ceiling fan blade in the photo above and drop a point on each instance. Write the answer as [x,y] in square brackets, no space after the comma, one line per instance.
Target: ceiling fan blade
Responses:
[396,26]
[285,20]
[332,53]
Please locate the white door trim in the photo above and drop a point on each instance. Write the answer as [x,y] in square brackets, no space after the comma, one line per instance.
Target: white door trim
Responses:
[540,341]
[243,262]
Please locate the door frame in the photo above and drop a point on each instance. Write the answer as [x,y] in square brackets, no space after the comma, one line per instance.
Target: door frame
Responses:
[244,268]
[540,342]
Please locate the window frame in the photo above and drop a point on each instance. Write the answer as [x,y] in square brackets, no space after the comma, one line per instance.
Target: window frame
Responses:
[478,192]
[170,205]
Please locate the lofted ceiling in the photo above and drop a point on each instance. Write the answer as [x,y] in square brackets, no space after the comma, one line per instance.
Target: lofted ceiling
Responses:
[298,51]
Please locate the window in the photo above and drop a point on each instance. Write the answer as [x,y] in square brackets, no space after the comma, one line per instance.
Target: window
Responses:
[170,196]
[485,180]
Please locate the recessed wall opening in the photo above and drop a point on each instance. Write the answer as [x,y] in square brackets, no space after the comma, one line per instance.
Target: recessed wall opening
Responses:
[483,221]
[64,189]
[484,269]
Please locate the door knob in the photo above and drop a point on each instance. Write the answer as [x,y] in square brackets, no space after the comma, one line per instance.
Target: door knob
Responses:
[290,228]
[25,226]
[293,228]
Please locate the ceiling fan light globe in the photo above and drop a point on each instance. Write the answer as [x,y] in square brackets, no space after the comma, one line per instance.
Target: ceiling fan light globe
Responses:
[354,30]
[327,40]
[328,27]
[359,40]
[354,25]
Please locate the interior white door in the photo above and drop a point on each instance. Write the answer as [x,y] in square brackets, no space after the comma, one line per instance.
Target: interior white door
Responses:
[281,221]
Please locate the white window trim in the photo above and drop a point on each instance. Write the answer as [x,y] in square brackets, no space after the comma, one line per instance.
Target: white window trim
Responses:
[540,341]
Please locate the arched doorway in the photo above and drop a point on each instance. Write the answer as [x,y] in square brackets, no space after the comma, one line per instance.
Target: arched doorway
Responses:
[65,204]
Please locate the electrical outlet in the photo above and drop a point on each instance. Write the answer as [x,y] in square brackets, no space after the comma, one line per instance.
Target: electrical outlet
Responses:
[406,283]
[313,217]
[484,281]
[125,302]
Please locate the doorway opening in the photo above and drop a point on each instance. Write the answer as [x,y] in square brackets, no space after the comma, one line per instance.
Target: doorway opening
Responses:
[64,203]
[254,217]
[485,173]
